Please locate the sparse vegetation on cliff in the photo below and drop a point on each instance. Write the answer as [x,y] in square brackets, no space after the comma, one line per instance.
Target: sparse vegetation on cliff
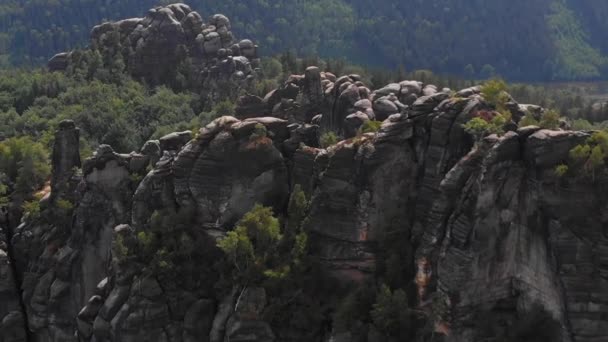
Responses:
[374,240]
[262,248]
[329,139]
[591,156]
[481,126]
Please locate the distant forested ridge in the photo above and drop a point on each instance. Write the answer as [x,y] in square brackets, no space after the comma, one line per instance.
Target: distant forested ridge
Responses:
[521,40]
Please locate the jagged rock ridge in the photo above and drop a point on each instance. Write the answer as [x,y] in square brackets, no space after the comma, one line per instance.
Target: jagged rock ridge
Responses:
[489,227]
[174,45]
[491,234]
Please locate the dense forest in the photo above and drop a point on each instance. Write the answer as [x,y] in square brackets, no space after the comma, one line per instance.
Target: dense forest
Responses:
[523,40]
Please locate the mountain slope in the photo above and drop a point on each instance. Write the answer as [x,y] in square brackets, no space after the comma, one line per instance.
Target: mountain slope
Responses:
[533,40]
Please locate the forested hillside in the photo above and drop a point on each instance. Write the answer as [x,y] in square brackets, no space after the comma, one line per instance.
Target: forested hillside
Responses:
[525,40]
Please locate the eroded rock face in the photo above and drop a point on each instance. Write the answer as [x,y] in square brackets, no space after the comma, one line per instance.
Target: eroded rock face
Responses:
[171,45]
[340,103]
[490,239]
[62,254]
[503,237]
[222,173]
[364,191]
[13,325]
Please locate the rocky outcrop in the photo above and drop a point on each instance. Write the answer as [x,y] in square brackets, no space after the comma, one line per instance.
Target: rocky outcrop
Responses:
[175,46]
[62,254]
[66,159]
[13,324]
[482,236]
[490,241]
[503,238]
[59,62]
[207,177]
[363,192]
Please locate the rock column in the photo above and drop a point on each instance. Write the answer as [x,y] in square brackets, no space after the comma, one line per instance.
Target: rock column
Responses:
[66,157]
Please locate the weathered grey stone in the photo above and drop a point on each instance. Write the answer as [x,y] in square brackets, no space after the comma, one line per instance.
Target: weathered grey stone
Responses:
[115,300]
[175,141]
[488,232]
[426,104]
[429,90]
[12,317]
[353,122]
[65,159]
[468,92]
[59,62]
[393,88]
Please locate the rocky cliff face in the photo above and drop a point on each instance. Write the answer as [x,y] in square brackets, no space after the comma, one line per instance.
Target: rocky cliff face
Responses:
[489,242]
[492,235]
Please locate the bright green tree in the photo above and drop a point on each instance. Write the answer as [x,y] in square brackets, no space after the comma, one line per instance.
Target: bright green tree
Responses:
[25,163]
[580,153]
[528,120]
[550,120]
[296,237]
[370,126]
[495,92]
[561,170]
[595,161]
[479,127]
[251,247]
[328,139]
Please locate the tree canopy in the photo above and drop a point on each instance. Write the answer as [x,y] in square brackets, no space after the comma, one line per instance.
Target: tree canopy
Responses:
[531,40]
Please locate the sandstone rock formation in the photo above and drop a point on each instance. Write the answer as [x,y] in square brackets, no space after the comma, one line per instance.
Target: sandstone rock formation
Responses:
[488,241]
[492,236]
[13,323]
[174,45]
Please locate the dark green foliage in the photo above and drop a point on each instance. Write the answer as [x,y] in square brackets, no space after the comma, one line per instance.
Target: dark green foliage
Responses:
[296,210]
[260,251]
[568,44]
[391,313]
[550,120]
[581,125]
[252,245]
[495,92]
[355,307]
[328,139]
[174,250]
[31,209]
[502,325]
[575,56]
[34,30]
[580,153]
[528,120]
[259,132]
[479,127]
[570,100]
[123,115]
[387,310]
[296,238]
[25,164]
[4,200]
[561,170]
[591,156]
[370,127]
